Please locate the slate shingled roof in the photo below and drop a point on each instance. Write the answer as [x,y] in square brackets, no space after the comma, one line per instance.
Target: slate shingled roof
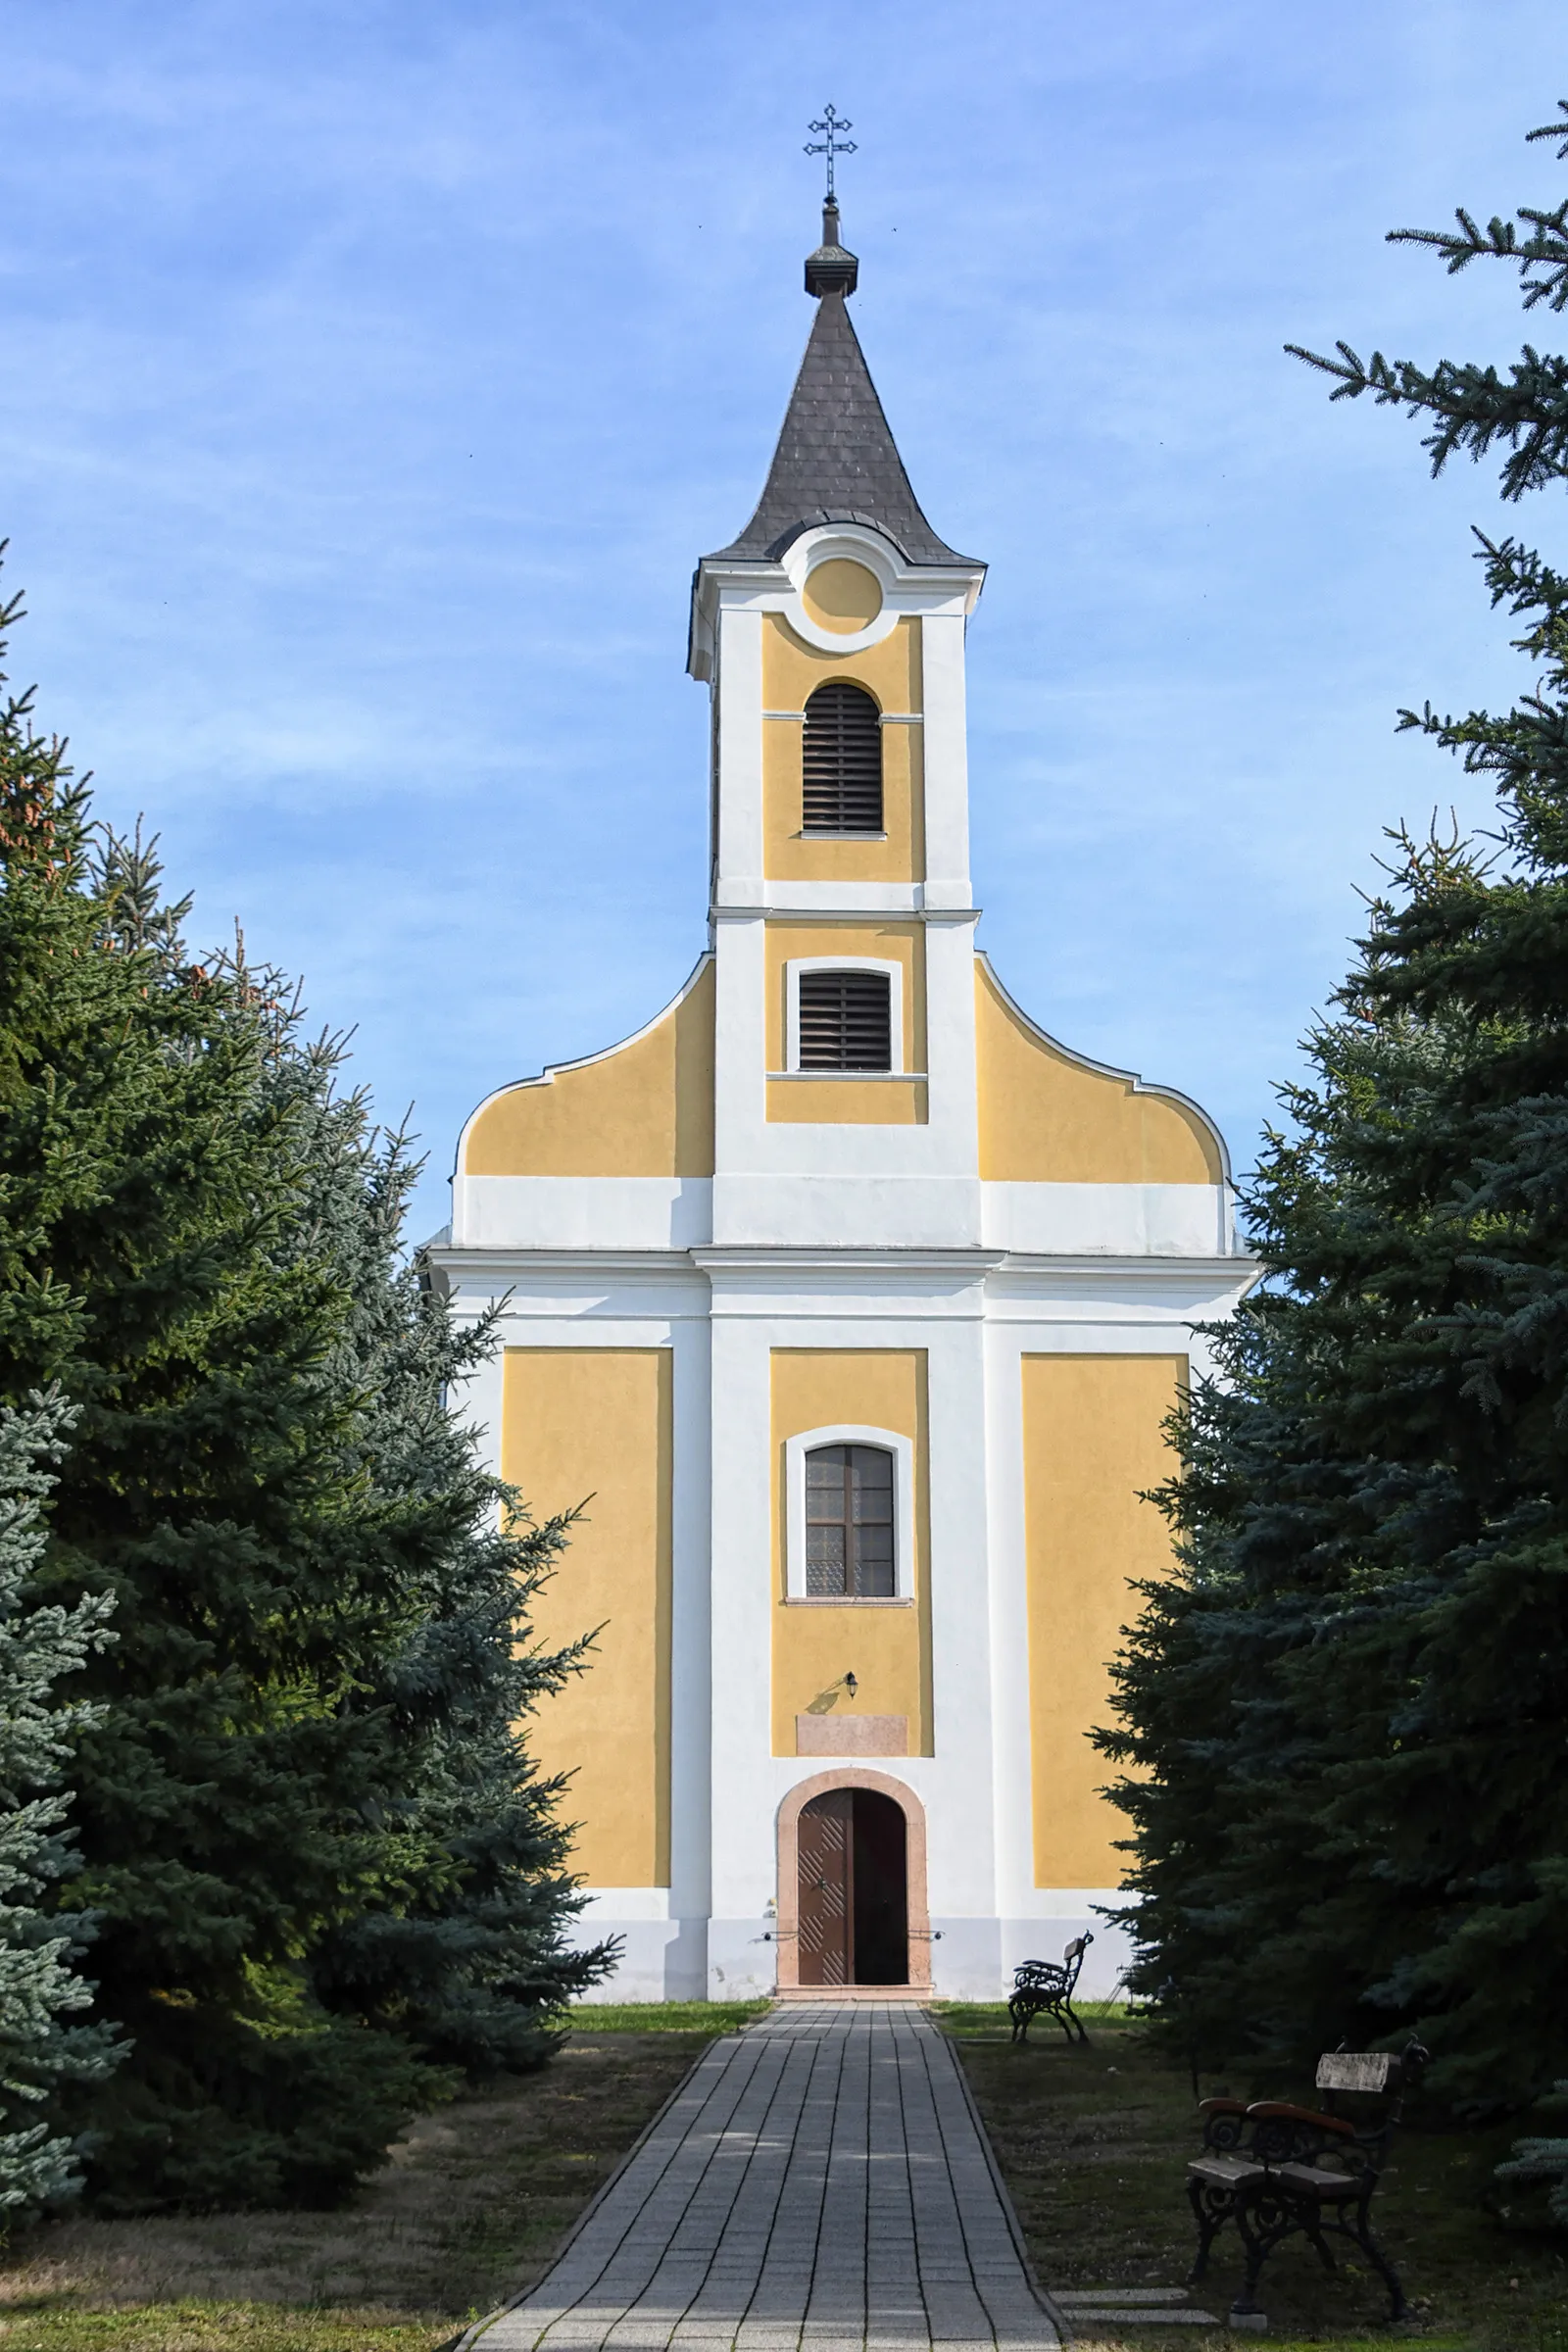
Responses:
[836,461]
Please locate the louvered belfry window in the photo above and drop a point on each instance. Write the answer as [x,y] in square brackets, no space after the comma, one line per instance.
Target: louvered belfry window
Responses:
[842,761]
[845,1021]
[849,1523]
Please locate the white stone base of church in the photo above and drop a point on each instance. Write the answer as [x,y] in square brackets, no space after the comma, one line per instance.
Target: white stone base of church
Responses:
[736,1959]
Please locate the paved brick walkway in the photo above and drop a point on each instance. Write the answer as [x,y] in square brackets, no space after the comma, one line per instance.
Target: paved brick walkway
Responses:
[818,2181]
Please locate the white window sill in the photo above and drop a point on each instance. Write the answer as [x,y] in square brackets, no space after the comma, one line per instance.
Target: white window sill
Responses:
[904,1077]
[849,1601]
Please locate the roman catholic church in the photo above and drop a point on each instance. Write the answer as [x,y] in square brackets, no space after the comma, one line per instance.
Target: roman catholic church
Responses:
[855,1300]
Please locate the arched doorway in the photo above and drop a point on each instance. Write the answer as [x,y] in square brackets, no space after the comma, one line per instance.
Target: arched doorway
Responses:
[852,1901]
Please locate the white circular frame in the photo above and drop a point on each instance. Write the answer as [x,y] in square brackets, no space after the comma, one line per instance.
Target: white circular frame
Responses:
[842,542]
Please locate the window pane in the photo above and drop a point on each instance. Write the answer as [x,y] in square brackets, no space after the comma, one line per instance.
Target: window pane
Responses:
[871,1469]
[873,1562]
[849,1514]
[824,1560]
[871,1473]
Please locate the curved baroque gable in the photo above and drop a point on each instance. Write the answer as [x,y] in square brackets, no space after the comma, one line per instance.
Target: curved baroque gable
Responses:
[1049,1117]
[643,1107]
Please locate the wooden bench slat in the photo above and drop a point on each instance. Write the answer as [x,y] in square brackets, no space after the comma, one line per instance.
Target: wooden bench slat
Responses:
[1320,2181]
[1226,2171]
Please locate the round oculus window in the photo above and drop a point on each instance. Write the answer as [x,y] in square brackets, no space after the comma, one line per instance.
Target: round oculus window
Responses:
[841,595]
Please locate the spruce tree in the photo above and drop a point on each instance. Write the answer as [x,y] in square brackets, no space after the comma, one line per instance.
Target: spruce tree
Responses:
[472,1960]
[1349,1705]
[279,1551]
[42,1994]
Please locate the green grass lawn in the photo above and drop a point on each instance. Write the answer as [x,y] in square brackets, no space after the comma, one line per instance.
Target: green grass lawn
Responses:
[1094,2144]
[468,2213]
[665,2017]
[218,2328]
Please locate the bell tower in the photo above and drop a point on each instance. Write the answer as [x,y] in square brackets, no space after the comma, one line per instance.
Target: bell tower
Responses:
[831,635]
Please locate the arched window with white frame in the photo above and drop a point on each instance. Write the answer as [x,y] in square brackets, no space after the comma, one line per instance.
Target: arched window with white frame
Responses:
[851,1515]
[849,1523]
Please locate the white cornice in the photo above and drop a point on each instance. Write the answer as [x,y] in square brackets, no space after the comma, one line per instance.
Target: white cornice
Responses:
[1237,1268]
[502,1266]
[505,1264]
[745,896]
[767,1257]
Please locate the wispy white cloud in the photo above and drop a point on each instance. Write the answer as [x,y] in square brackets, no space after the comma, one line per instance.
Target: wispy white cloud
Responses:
[375,373]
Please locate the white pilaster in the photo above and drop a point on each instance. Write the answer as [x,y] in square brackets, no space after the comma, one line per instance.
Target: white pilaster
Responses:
[953,1098]
[740,1048]
[947,760]
[690,1673]
[738,859]
[740,1960]
[961,1822]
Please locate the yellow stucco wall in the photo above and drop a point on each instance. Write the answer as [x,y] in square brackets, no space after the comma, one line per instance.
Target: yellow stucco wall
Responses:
[1093,1446]
[841,597]
[886,1645]
[580,1422]
[644,1110]
[1047,1119]
[847,1102]
[889,672]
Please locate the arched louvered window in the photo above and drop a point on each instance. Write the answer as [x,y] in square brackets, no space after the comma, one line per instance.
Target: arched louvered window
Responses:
[849,1523]
[842,761]
[845,1021]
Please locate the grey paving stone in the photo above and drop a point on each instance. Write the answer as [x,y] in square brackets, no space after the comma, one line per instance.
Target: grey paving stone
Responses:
[819,2184]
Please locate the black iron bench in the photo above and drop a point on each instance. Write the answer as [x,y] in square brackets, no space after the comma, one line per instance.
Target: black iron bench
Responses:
[1048,1985]
[1277,2170]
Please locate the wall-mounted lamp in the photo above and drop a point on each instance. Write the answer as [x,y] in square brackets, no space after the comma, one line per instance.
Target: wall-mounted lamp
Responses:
[851,1685]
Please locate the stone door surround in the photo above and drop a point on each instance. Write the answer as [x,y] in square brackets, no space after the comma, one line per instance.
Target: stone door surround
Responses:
[789,1870]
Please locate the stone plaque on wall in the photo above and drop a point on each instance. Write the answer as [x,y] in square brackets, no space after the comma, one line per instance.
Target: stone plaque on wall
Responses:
[852,1735]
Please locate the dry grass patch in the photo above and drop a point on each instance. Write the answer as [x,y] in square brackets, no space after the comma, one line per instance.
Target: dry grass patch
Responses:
[1094,2146]
[469,2212]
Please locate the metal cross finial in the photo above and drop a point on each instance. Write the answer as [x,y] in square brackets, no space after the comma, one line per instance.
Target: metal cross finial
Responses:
[832,145]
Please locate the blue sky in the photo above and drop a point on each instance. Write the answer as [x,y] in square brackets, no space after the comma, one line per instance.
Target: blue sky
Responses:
[376,371]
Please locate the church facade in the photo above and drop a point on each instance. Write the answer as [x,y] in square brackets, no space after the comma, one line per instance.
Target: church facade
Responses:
[855,1302]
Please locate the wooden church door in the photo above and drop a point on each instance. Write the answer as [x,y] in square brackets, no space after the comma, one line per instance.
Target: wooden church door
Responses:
[827,1847]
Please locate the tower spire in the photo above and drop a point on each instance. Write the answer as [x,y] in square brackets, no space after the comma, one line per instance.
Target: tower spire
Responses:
[836,460]
[831,269]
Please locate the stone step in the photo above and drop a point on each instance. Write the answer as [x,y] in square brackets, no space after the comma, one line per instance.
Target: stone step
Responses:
[837,1997]
[1165,2296]
[1133,2307]
[1139,2315]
